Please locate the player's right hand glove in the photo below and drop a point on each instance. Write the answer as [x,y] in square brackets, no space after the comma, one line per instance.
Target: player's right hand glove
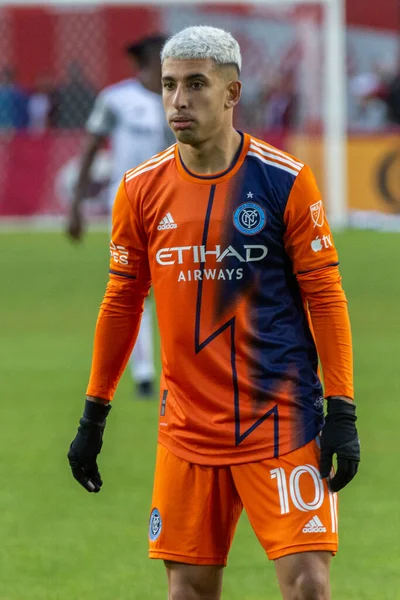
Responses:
[86,446]
[339,436]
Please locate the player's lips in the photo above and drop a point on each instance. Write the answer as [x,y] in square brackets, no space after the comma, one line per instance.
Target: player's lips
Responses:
[182,122]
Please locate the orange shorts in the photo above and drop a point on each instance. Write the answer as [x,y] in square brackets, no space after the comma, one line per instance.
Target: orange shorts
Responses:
[195,509]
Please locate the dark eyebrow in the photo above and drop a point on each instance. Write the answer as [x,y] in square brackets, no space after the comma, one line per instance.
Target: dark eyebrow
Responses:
[197,76]
[190,77]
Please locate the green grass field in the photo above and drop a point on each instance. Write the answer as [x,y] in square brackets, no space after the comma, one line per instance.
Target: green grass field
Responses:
[60,543]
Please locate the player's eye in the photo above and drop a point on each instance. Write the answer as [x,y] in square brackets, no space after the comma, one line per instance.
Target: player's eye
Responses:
[197,85]
[168,85]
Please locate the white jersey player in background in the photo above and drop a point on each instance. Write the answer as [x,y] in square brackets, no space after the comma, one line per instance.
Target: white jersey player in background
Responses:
[131,116]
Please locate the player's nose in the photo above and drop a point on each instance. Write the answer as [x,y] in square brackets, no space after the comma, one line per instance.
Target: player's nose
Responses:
[180,99]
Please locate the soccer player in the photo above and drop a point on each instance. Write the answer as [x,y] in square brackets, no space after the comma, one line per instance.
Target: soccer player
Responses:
[130,113]
[231,232]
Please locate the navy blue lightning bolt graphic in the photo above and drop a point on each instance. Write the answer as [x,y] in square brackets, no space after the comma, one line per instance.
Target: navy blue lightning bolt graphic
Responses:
[228,325]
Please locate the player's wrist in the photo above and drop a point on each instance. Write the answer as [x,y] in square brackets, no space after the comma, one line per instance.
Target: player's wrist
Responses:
[339,406]
[97,400]
[95,413]
[341,397]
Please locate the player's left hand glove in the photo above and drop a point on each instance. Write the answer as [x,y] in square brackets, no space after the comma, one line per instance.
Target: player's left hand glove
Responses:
[87,444]
[339,436]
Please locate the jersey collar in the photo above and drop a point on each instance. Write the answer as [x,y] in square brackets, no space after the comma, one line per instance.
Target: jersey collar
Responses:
[214,178]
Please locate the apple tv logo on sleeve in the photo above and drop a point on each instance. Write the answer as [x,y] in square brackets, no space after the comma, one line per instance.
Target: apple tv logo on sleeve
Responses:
[320,243]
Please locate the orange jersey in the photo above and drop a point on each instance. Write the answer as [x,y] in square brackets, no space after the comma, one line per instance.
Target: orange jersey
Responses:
[238,261]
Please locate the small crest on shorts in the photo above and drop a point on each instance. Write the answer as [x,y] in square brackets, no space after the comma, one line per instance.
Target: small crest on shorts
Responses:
[317,214]
[155,525]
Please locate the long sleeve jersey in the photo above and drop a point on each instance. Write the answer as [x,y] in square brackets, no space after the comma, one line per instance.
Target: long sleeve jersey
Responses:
[248,298]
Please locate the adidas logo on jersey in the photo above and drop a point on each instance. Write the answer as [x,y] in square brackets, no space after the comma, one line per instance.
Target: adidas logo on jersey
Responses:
[167,223]
[314,526]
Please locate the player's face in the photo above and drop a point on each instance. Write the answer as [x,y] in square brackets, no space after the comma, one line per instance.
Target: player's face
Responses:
[198,96]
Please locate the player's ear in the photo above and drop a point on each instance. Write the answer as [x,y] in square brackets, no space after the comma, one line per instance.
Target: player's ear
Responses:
[233,92]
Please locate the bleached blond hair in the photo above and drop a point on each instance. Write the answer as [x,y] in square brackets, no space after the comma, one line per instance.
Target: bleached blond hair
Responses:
[202,42]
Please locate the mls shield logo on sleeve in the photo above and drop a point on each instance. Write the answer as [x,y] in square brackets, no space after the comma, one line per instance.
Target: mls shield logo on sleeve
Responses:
[317,214]
[155,525]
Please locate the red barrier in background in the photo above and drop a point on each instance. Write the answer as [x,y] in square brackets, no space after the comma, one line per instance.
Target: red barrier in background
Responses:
[38,173]
[35,39]
[31,178]
[39,41]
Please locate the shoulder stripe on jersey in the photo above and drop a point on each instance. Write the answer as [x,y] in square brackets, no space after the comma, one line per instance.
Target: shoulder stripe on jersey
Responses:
[279,159]
[273,163]
[150,167]
[272,150]
[154,159]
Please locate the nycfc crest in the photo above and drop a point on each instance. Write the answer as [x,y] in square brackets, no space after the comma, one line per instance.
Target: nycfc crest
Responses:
[155,525]
[249,218]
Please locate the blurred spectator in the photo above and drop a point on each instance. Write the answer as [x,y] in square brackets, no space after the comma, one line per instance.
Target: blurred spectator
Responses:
[392,98]
[280,100]
[370,112]
[377,99]
[75,99]
[41,106]
[13,102]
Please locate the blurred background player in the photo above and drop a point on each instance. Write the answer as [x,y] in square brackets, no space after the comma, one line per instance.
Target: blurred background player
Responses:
[130,114]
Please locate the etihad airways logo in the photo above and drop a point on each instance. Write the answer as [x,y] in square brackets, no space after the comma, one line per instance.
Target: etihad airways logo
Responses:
[190,255]
[199,254]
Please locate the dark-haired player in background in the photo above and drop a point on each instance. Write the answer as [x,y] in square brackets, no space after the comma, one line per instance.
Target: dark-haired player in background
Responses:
[131,116]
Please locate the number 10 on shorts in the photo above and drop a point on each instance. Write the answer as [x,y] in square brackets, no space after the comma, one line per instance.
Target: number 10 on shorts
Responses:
[292,488]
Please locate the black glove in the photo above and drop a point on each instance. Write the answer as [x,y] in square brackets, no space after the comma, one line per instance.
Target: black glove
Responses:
[87,444]
[339,436]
